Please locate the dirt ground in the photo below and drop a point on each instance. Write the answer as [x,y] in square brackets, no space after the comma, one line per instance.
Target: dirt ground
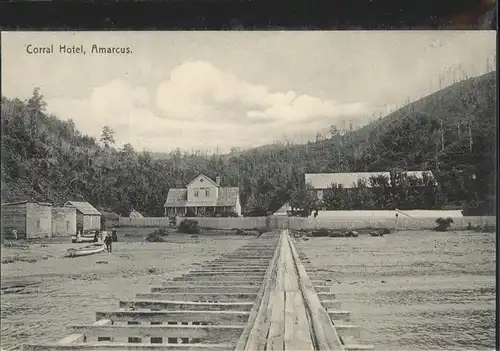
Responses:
[42,292]
[414,290]
[407,290]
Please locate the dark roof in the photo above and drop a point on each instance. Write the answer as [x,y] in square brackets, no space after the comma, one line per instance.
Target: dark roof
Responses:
[176,197]
[26,202]
[84,207]
[283,209]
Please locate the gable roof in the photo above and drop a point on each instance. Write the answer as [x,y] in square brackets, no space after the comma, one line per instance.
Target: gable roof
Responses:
[347,180]
[199,176]
[84,207]
[135,214]
[283,210]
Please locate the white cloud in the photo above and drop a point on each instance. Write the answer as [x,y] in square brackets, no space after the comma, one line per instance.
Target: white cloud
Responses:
[198,90]
[199,107]
[113,104]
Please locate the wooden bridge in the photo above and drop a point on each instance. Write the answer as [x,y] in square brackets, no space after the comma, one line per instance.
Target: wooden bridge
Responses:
[258,297]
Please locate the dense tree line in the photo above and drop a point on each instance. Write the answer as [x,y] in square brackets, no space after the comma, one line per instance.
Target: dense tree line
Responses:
[451,133]
[398,190]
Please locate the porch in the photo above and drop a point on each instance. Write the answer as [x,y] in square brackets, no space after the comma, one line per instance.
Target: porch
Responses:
[198,211]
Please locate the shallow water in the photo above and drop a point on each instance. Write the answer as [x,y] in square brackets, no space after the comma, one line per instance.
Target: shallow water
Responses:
[414,290]
[70,291]
[407,291]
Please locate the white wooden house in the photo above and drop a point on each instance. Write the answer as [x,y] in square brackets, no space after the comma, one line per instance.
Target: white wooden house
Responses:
[203,197]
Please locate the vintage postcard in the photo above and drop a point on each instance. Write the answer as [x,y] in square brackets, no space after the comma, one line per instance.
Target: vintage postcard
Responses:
[242,190]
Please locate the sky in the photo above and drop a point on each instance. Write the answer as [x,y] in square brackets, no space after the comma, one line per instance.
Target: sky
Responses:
[217,90]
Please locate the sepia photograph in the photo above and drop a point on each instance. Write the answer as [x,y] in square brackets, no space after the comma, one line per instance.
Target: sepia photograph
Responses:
[248,190]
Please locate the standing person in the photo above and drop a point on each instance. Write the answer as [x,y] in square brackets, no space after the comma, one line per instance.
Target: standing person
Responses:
[113,235]
[96,236]
[14,234]
[108,240]
[78,237]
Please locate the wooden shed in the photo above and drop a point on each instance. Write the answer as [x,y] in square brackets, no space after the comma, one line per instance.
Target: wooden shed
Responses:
[87,216]
[31,219]
[63,221]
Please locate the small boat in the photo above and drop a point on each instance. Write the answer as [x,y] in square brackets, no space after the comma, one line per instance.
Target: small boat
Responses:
[86,250]
[83,239]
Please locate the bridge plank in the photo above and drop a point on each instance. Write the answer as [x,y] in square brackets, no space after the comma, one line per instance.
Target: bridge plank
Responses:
[325,334]
[297,333]
[128,347]
[211,289]
[276,335]
[211,317]
[222,297]
[78,338]
[347,331]
[256,331]
[186,305]
[236,278]
[228,271]
[207,332]
[235,267]
[212,282]
[339,315]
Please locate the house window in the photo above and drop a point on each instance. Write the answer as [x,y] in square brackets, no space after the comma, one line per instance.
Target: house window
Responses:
[207,192]
[196,193]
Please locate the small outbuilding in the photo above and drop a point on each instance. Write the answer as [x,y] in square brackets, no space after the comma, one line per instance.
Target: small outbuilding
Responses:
[87,216]
[284,210]
[64,221]
[135,214]
[31,219]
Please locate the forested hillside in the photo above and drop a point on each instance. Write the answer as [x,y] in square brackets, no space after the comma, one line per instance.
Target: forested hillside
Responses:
[451,133]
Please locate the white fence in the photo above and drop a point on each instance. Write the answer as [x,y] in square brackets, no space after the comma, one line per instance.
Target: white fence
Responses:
[155,222]
[370,222]
[279,222]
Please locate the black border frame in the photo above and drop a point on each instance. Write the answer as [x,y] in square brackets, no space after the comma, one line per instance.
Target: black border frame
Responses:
[42,15]
[247,14]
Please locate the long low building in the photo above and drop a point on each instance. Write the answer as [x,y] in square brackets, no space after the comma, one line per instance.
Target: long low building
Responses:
[322,181]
